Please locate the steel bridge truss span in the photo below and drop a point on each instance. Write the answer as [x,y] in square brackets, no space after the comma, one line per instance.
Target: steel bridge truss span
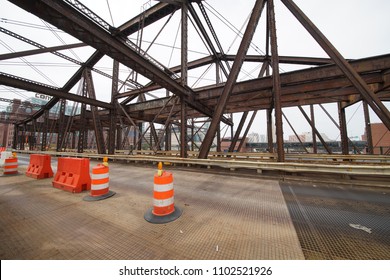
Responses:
[333,80]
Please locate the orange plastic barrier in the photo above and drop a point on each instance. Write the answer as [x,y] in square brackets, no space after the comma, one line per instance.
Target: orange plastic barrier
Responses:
[163,210]
[11,166]
[39,167]
[72,175]
[99,184]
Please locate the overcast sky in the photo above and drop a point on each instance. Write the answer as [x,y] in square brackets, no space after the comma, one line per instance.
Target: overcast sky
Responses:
[357,28]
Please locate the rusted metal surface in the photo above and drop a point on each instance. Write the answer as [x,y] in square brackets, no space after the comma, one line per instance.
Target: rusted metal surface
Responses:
[276,82]
[375,103]
[334,80]
[343,129]
[228,87]
[370,146]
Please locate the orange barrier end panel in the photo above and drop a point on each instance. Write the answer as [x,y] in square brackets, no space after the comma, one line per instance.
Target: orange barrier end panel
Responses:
[72,175]
[39,167]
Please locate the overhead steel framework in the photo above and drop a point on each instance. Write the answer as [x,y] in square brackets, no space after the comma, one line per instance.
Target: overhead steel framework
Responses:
[330,80]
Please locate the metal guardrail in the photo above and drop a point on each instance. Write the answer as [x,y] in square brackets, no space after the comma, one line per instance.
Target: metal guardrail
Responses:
[233,164]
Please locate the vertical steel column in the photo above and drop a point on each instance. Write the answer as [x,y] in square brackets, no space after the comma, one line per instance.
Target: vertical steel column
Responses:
[237,135]
[61,126]
[192,135]
[15,138]
[267,73]
[140,131]
[343,129]
[183,129]
[45,127]
[313,133]
[168,136]
[119,135]
[73,145]
[270,139]
[370,146]
[82,132]
[113,112]
[184,77]
[375,103]
[219,149]
[218,81]
[154,138]
[22,137]
[276,82]
[218,113]
[338,127]
[34,133]
[97,124]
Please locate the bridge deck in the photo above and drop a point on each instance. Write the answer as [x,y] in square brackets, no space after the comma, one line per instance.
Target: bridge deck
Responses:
[224,217]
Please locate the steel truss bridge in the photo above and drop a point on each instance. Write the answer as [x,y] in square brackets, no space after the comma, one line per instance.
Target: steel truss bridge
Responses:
[328,80]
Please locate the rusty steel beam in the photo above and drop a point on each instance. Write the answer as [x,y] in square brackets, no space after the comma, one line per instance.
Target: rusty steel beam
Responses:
[151,15]
[276,82]
[61,126]
[301,78]
[85,29]
[343,129]
[338,126]
[184,78]
[375,103]
[97,124]
[370,146]
[97,34]
[207,38]
[40,51]
[314,138]
[113,112]
[28,85]
[315,61]
[218,113]
[269,130]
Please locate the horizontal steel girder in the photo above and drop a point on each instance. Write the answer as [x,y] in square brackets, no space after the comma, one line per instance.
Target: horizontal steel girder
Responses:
[39,51]
[12,81]
[63,16]
[324,84]
[249,58]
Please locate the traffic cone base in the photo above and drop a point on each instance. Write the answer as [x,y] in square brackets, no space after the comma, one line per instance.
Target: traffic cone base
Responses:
[151,218]
[17,173]
[99,197]
[11,166]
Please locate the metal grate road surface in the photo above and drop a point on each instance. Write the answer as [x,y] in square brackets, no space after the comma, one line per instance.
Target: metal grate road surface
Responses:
[223,218]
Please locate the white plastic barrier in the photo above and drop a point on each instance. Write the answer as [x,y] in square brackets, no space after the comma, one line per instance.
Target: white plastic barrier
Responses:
[4,155]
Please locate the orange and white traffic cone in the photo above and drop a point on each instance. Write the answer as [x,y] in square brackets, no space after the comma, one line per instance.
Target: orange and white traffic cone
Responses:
[164,209]
[11,165]
[100,182]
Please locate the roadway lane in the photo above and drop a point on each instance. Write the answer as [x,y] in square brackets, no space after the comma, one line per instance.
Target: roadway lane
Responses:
[340,222]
